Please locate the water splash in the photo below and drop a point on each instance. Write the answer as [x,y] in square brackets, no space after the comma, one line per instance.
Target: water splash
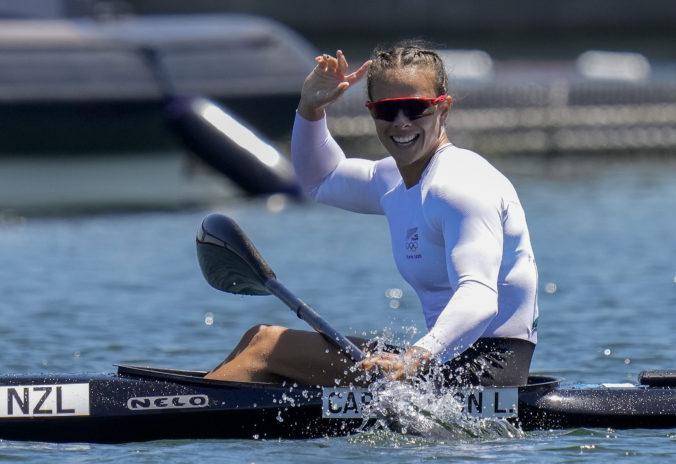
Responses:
[430,413]
[415,412]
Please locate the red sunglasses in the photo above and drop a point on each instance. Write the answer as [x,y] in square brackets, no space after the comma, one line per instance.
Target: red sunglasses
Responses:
[413,107]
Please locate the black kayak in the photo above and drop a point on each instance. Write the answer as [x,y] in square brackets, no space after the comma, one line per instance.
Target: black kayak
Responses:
[141,404]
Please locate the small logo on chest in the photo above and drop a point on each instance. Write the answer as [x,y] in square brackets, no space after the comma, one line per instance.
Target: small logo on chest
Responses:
[412,244]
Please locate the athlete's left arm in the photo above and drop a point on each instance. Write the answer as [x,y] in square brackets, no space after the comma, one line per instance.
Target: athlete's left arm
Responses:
[470,221]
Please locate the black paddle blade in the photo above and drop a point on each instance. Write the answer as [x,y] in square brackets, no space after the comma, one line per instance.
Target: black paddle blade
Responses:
[228,259]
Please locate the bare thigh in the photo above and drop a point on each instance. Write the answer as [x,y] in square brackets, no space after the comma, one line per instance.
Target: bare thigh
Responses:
[276,354]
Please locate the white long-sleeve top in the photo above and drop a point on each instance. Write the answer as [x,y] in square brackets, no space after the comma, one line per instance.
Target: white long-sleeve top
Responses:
[459,237]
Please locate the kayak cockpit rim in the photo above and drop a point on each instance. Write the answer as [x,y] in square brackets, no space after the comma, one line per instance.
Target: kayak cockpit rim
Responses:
[180,376]
[195,377]
[535,382]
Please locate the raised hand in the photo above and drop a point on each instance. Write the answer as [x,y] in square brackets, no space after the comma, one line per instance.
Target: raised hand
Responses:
[326,83]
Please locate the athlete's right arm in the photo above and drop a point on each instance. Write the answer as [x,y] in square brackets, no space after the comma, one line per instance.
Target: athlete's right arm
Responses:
[321,166]
[329,177]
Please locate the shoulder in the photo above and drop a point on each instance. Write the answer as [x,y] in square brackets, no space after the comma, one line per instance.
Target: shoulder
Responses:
[386,165]
[462,182]
[386,175]
[458,171]
[462,164]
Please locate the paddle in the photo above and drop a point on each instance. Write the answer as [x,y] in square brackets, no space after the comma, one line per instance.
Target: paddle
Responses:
[231,263]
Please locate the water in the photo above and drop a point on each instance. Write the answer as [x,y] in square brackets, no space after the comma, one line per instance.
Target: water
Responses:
[81,293]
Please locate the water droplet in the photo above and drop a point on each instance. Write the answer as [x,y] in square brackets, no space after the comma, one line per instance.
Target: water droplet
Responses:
[276,203]
[394,293]
[607,351]
[551,288]
[627,361]
[209,318]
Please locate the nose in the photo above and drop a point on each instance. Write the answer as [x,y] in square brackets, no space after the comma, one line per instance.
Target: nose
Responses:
[401,119]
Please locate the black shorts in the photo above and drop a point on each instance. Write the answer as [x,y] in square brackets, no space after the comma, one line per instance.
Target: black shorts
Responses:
[494,362]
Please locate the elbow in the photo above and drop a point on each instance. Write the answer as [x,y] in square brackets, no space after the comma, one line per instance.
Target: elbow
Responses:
[309,182]
[487,311]
[311,191]
[482,293]
[491,310]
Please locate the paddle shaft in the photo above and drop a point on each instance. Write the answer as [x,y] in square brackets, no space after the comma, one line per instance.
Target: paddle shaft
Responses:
[309,315]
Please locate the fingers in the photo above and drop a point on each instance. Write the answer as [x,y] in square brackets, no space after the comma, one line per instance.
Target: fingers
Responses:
[339,66]
[327,63]
[359,73]
[322,64]
[383,364]
[409,365]
[341,61]
[326,83]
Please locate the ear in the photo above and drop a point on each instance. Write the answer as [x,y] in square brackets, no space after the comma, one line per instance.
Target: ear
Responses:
[447,103]
[446,107]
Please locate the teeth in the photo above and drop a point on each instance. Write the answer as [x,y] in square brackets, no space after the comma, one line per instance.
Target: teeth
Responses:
[404,138]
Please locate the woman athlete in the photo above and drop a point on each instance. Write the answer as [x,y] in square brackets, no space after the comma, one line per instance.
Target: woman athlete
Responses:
[458,231]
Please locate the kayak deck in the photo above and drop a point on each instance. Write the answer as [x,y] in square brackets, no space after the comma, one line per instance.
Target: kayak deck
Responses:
[141,404]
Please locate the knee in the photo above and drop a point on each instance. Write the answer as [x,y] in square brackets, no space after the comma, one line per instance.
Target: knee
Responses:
[264,335]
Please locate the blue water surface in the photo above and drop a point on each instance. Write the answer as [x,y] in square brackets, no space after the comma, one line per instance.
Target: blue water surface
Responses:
[81,293]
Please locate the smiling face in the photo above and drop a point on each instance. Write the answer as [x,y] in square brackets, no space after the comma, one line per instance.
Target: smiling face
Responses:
[411,142]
